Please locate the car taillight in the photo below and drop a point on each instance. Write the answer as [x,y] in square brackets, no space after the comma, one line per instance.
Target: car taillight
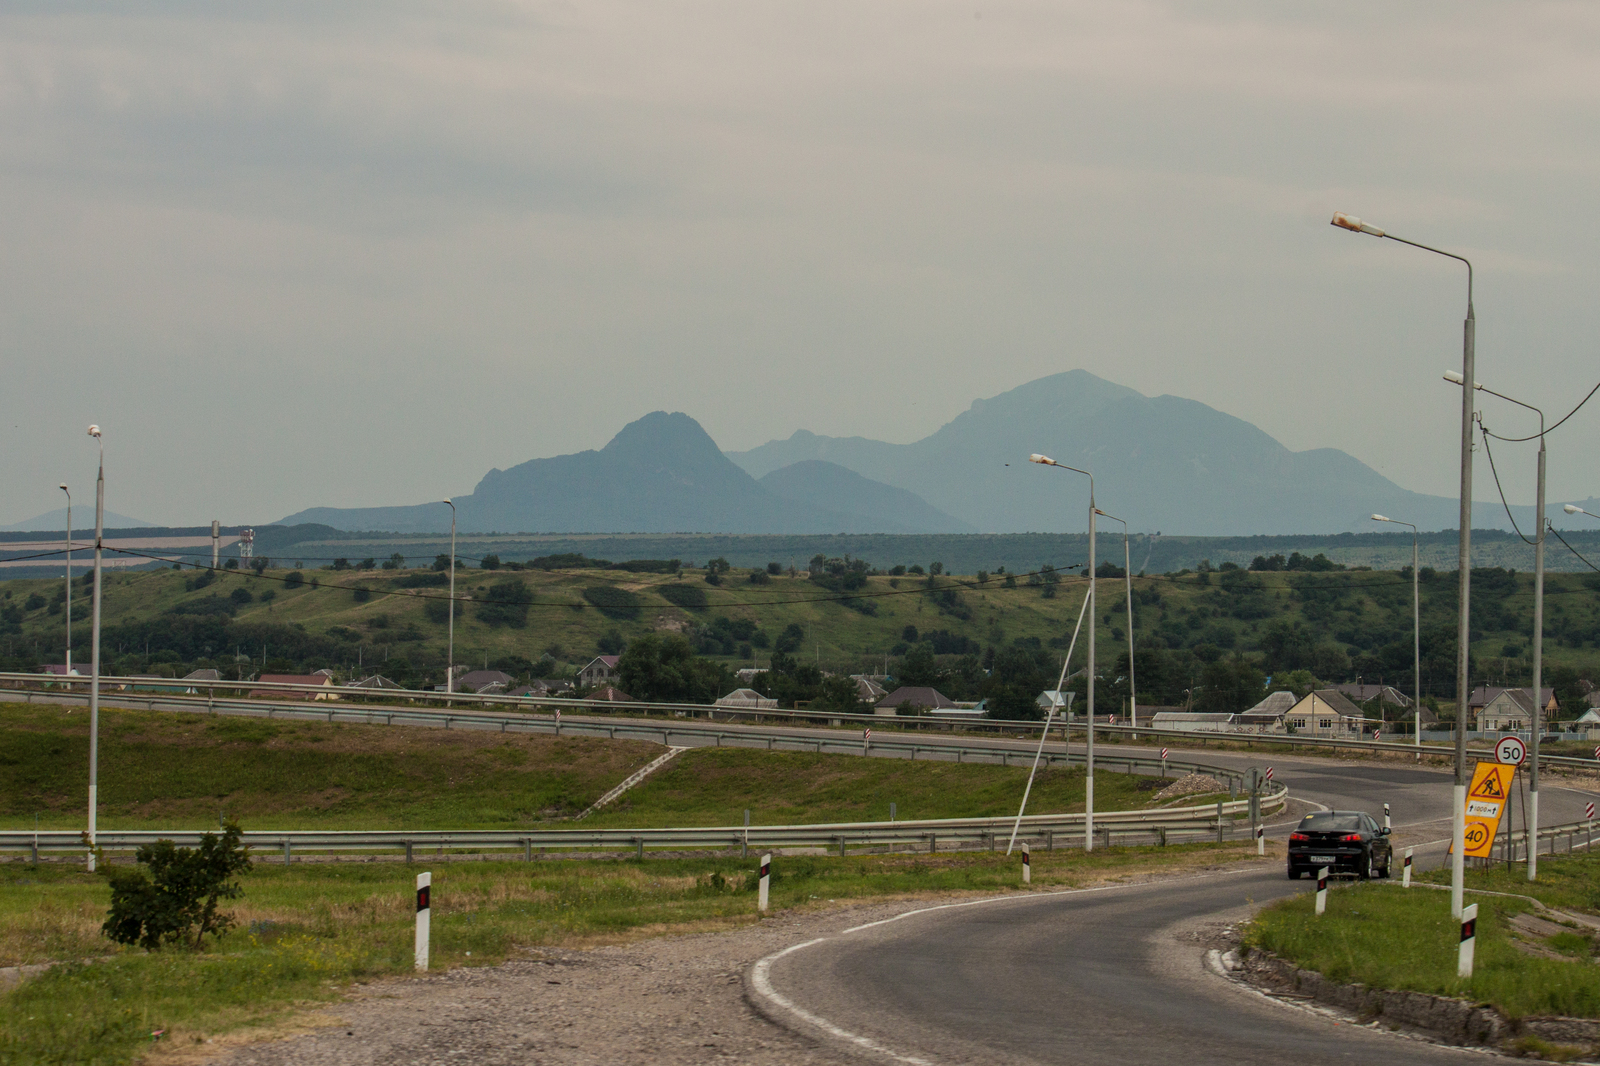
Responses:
[1300,838]
[1351,838]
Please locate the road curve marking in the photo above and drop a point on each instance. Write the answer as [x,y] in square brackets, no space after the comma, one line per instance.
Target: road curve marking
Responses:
[761,980]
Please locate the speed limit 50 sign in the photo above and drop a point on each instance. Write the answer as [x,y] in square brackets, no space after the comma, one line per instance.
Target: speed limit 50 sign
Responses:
[1511,751]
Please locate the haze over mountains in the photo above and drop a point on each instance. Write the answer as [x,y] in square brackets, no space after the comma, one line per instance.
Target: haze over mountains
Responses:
[1162,463]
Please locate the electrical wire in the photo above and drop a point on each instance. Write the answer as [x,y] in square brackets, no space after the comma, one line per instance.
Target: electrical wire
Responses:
[1552,429]
[1497,485]
[1573,550]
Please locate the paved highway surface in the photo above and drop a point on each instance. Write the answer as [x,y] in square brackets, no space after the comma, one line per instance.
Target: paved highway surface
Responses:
[1110,976]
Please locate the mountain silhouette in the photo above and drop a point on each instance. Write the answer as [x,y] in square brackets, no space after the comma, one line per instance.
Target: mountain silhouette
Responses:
[660,474]
[1161,463]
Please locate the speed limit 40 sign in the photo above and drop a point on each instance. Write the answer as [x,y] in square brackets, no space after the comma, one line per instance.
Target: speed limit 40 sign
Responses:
[1511,751]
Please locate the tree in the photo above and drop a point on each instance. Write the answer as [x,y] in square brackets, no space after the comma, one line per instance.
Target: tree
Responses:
[1230,685]
[665,668]
[341,564]
[241,596]
[790,639]
[489,562]
[395,562]
[441,562]
[293,579]
[174,891]
[919,667]
[505,605]
[1015,682]
[367,564]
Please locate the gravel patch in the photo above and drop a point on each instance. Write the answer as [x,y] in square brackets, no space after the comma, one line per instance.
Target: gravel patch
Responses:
[1190,785]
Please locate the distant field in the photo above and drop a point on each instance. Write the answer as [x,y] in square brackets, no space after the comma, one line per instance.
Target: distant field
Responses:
[173,771]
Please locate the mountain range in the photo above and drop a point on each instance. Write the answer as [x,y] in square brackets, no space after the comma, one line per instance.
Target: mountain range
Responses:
[1161,463]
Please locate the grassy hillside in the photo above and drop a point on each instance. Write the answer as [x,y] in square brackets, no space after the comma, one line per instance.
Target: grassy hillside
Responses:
[1336,624]
[178,771]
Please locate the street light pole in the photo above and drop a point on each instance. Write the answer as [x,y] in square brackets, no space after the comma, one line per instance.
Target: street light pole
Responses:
[1088,784]
[450,656]
[1416,635]
[1537,723]
[94,645]
[1127,573]
[69,580]
[1469,328]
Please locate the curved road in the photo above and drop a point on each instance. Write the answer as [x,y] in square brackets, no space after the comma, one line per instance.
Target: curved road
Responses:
[1104,976]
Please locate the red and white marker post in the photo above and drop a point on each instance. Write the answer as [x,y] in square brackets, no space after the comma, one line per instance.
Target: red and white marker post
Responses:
[1163,762]
[764,883]
[1322,890]
[1269,773]
[424,910]
[1405,871]
[1469,939]
[1377,735]
[1027,864]
[866,740]
[558,721]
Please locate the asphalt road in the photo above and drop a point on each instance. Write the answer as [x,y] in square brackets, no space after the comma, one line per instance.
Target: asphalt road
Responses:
[1088,978]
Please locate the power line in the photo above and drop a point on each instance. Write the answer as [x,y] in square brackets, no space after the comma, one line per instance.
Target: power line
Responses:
[1502,491]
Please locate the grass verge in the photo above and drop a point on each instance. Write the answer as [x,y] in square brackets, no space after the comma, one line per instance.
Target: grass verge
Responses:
[180,771]
[1383,936]
[306,932]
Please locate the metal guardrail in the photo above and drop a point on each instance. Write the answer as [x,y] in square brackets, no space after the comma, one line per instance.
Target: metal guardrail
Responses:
[1173,825]
[142,686]
[1572,831]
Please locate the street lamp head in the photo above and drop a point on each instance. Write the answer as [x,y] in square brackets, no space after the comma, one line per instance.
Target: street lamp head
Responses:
[1380,518]
[63,488]
[1045,459]
[1455,377]
[1354,224]
[1570,509]
[94,431]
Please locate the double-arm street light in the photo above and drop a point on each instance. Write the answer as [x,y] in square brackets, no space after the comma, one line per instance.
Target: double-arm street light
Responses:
[1127,573]
[1416,632]
[1088,808]
[450,656]
[69,580]
[94,644]
[1463,566]
[1537,722]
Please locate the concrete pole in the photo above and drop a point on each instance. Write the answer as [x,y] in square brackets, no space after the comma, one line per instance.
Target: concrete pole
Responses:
[94,645]
[1538,673]
[450,656]
[69,580]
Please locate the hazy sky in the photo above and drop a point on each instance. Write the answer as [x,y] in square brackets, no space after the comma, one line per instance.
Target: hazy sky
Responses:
[357,254]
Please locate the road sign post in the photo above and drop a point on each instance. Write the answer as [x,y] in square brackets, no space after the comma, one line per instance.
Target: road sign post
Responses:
[424,910]
[1469,939]
[1322,889]
[1486,802]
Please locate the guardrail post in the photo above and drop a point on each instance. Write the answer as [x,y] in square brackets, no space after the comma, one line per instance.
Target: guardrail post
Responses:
[1049,840]
[408,852]
[841,845]
[640,853]
[1161,835]
[288,856]
[527,849]
[1219,821]
[933,843]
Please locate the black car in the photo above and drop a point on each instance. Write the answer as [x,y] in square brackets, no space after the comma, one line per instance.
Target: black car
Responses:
[1343,841]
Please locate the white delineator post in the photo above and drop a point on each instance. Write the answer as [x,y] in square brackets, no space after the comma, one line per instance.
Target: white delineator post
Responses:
[1405,871]
[764,884]
[1386,823]
[424,889]
[1261,840]
[1027,864]
[1469,940]
[1322,890]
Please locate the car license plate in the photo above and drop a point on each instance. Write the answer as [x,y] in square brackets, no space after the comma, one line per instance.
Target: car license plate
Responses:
[1323,858]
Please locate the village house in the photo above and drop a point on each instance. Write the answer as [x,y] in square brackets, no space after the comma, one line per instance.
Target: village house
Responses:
[1326,713]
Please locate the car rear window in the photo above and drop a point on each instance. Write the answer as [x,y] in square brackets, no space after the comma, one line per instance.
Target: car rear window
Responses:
[1331,822]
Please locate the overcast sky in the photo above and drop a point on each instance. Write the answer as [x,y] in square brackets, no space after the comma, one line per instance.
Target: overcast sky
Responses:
[357,254]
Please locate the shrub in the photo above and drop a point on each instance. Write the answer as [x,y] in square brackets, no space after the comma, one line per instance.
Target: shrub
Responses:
[505,605]
[760,577]
[612,601]
[438,610]
[179,893]
[293,579]
[241,596]
[689,597]
[423,581]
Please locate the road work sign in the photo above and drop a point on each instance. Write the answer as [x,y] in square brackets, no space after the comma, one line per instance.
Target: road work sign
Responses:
[1486,804]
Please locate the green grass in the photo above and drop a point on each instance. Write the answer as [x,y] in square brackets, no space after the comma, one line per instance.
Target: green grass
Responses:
[1381,935]
[180,771]
[307,931]
[715,786]
[1347,608]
